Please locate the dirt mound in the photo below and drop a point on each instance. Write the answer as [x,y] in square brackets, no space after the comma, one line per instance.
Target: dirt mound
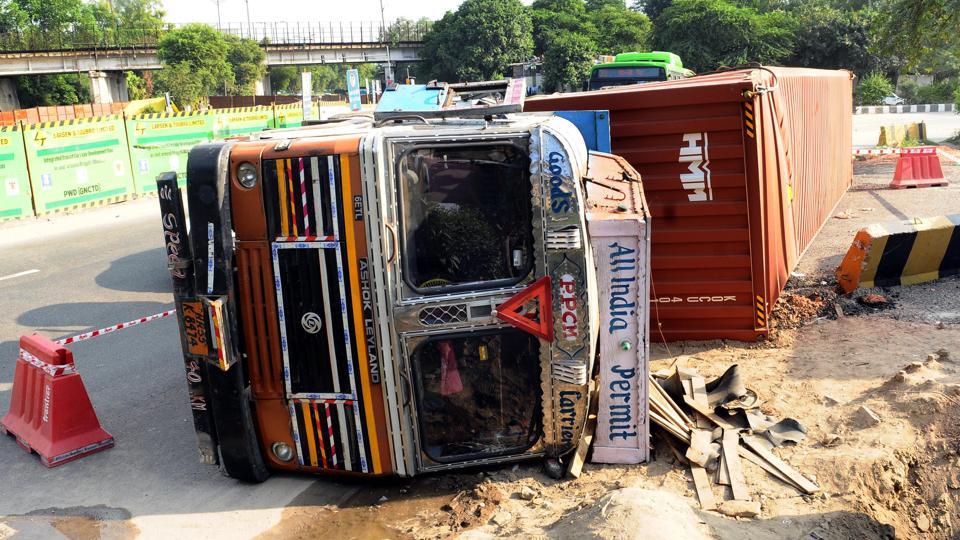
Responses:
[634,513]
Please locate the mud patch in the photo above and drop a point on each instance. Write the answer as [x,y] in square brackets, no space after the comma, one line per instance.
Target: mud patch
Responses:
[422,508]
[77,523]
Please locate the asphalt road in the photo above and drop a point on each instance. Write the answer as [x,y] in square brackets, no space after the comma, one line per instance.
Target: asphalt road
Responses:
[866,127]
[90,270]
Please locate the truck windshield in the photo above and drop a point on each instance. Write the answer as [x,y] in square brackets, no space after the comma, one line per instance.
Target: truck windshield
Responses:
[478,395]
[466,216]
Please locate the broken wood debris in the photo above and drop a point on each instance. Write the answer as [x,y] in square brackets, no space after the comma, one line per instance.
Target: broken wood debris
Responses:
[690,416]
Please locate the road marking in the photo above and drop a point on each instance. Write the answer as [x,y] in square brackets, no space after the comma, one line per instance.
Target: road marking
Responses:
[20,274]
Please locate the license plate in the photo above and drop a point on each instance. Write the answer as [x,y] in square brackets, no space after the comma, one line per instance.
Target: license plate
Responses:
[195,328]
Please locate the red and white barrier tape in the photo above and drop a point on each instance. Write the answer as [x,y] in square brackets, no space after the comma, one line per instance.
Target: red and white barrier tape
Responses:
[114,328]
[875,151]
[50,369]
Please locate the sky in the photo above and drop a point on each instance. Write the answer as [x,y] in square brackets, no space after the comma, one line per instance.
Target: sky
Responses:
[235,11]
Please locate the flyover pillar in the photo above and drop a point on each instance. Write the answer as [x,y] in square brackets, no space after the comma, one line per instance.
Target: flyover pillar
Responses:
[108,87]
[9,100]
[263,87]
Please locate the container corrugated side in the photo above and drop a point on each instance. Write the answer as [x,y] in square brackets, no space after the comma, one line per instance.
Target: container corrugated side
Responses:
[736,183]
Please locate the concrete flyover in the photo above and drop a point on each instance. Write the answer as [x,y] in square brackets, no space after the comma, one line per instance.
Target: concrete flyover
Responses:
[106,56]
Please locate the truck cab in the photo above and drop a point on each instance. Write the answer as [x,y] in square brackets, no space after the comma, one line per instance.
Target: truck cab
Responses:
[394,297]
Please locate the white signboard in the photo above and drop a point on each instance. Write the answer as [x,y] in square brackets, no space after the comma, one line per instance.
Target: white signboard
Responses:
[306,88]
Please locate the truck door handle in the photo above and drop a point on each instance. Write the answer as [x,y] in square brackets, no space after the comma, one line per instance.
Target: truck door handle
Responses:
[394,240]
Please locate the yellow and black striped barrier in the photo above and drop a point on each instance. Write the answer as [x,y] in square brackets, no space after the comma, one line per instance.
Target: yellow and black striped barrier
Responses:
[902,253]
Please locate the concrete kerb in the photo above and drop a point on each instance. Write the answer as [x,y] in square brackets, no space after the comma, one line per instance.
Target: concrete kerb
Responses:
[888,109]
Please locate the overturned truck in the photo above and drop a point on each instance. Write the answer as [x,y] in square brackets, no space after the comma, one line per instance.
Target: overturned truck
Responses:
[396,297]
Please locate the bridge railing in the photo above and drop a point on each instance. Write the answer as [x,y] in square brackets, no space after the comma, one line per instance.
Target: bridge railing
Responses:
[79,39]
[329,33]
[266,33]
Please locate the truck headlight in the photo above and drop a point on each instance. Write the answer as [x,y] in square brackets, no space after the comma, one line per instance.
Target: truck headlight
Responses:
[282,451]
[247,175]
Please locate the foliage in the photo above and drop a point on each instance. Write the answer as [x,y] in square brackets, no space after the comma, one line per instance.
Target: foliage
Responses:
[908,90]
[651,8]
[620,30]
[914,29]
[246,60]
[324,78]
[938,92]
[182,82]
[553,18]
[832,38]
[136,86]
[195,63]
[65,89]
[708,34]
[478,41]
[567,61]
[872,89]
[404,29]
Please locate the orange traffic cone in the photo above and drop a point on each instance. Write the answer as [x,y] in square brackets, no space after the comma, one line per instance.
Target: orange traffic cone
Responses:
[50,412]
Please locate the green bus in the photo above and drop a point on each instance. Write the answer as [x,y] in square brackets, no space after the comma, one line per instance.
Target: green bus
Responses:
[637,67]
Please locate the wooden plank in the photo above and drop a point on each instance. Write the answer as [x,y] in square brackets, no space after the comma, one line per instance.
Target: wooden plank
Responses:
[669,427]
[663,393]
[731,458]
[801,481]
[699,390]
[586,439]
[702,484]
[748,455]
[699,450]
[723,478]
[659,403]
[721,422]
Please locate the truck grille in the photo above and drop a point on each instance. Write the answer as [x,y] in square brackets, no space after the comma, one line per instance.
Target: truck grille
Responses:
[318,338]
[296,192]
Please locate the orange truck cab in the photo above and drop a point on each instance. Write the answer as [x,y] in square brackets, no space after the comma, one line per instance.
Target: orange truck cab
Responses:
[392,298]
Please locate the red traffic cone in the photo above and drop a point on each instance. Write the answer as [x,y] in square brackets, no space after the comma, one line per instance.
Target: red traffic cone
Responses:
[50,412]
[918,167]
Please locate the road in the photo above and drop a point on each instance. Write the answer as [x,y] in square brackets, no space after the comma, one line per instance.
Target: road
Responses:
[90,270]
[866,127]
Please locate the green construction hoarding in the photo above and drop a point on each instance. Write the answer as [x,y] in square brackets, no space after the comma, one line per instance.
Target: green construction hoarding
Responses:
[15,199]
[241,121]
[286,116]
[78,163]
[161,142]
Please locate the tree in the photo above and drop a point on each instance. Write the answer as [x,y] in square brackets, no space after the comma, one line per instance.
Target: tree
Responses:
[913,29]
[567,61]
[194,56]
[552,18]
[478,41]
[620,30]
[872,89]
[183,84]
[709,34]
[246,60]
[596,5]
[43,90]
[136,86]
[651,8]
[832,38]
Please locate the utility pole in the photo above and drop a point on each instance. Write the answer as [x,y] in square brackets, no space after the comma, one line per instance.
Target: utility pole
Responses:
[388,70]
[219,27]
[249,26]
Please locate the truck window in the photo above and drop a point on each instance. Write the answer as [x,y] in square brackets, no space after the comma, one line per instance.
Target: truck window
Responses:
[466,217]
[478,394]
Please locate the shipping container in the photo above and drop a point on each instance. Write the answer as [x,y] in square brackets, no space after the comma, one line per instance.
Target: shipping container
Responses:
[740,169]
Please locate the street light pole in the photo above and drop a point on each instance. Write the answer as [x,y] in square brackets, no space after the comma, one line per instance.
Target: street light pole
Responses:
[388,70]
[249,26]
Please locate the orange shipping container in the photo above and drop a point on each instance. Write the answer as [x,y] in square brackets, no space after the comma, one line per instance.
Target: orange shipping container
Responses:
[740,170]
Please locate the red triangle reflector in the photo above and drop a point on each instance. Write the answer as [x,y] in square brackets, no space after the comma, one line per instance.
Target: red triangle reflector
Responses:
[540,291]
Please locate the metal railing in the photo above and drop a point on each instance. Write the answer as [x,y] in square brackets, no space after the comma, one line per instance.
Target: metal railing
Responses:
[265,33]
